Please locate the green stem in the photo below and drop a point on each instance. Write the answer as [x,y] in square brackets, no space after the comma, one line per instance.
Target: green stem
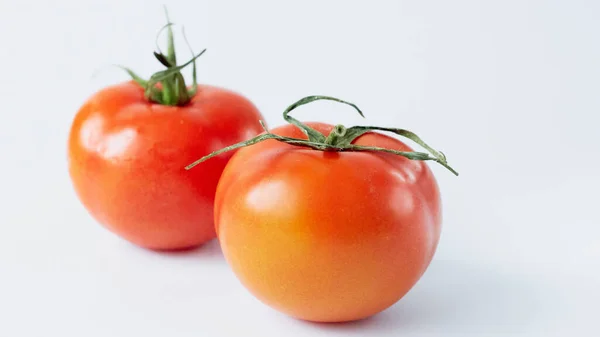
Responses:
[339,139]
[338,132]
[311,133]
[173,89]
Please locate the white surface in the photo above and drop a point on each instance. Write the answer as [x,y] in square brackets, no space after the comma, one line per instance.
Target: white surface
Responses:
[510,90]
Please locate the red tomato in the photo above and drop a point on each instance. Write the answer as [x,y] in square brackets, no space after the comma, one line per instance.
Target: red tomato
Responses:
[127,153]
[127,157]
[323,235]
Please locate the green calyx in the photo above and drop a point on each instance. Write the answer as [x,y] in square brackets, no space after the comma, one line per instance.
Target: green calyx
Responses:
[339,139]
[172,89]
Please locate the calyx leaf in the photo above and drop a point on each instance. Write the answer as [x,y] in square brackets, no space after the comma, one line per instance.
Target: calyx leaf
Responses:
[173,89]
[340,138]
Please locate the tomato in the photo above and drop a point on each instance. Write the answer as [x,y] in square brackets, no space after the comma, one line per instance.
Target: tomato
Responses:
[327,236]
[128,147]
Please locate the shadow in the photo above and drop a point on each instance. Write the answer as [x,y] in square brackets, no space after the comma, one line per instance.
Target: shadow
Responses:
[209,250]
[456,298]
[345,326]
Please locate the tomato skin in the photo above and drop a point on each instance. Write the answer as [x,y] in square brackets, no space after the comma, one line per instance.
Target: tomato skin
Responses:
[127,159]
[327,236]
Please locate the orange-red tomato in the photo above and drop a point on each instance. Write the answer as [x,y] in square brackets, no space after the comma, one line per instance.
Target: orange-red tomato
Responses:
[127,157]
[327,236]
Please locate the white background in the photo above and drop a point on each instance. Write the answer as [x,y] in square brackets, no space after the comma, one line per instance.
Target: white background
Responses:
[509,90]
